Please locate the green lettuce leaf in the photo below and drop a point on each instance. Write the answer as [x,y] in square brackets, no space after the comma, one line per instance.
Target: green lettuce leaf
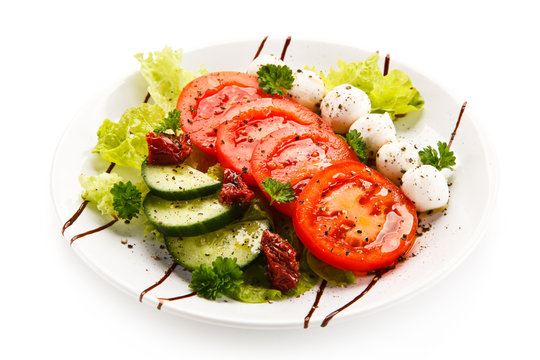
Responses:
[124,142]
[393,93]
[97,190]
[165,77]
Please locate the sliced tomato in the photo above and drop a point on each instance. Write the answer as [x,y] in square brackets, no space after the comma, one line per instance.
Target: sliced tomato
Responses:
[295,156]
[204,101]
[245,125]
[354,218]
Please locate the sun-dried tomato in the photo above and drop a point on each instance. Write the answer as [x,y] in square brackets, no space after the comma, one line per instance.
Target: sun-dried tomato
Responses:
[234,190]
[167,149]
[283,268]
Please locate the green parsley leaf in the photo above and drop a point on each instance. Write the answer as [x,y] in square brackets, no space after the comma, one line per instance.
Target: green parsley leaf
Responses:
[278,191]
[220,279]
[275,79]
[171,122]
[443,159]
[359,146]
[126,199]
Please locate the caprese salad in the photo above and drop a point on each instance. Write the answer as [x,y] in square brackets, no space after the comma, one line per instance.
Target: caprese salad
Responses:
[266,182]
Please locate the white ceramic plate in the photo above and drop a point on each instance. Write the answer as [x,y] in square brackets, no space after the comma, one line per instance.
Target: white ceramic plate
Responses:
[451,239]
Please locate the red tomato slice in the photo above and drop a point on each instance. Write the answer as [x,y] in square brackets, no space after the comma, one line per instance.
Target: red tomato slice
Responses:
[245,125]
[204,101]
[295,157]
[354,218]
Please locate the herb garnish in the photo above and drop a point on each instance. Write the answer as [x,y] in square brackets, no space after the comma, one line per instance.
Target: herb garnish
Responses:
[171,122]
[126,199]
[275,79]
[444,159]
[358,145]
[222,278]
[278,191]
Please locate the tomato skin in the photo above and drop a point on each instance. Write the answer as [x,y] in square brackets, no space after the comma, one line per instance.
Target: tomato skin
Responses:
[204,101]
[246,124]
[295,157]
[354,218]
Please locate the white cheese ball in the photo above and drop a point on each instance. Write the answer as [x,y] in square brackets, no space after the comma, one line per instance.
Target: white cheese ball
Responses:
[308,89]
[263,59]
[396,157]
[343,105]
[376,130]
[426,187]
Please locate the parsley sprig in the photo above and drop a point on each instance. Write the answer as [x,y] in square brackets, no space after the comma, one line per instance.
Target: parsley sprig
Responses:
[278,191]
[275,79]
[171,122]
[358,145]
[220,279]
[126,199]
[443,159]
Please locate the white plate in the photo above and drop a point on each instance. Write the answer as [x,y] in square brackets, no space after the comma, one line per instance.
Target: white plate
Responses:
[451,239]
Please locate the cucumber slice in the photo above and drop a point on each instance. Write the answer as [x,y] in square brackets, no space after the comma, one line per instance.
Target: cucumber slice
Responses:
[240,240]
[178,182]
[189,217]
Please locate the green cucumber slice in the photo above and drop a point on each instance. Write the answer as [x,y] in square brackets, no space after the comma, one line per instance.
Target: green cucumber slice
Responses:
[189,217]
[178,182]
[240,240]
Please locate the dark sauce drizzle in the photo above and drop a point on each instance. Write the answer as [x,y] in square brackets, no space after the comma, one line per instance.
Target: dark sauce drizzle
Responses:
[163,300]
[457,124]
[167,273]
[315,304]
[285,47]
[93,231]
[386,64]
[378,274]
[82,207]
[260,48]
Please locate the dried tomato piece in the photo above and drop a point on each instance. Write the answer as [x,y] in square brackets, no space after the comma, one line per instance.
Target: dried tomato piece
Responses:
[167,149]
[283,268]
[235,189]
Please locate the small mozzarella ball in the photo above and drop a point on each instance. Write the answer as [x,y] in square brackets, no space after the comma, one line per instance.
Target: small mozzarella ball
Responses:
[376,130]
[426,187]
[308,89]
[396,157]
[343,105]
[261,60]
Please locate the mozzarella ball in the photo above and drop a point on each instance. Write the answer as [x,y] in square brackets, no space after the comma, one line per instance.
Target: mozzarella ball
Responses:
[343,105]
[426,187]
[263,59]
[308,89]
[376,130]
[396,157]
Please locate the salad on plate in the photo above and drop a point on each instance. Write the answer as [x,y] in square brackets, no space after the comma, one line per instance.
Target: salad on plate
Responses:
[267,183]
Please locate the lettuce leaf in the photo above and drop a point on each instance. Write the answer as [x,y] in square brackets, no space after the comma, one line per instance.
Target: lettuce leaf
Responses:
[97,190]
[165,77]
[124,142]
[393,93]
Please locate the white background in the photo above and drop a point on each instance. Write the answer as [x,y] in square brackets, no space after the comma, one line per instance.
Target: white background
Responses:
[55,55]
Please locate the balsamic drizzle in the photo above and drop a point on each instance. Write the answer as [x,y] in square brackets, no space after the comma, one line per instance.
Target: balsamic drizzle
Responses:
[93,231]
[386,64]
[75,216]
[160,281]
[285,47]
[260,48]
[163,300]
[378,274]
[457,124]
[315,303]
